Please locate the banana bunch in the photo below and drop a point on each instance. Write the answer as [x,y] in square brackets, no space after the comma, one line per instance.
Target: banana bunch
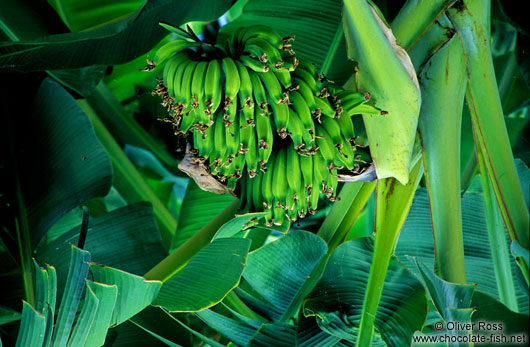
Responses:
[260,116]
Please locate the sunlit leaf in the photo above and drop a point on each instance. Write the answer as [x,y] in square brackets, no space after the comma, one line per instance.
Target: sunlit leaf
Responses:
[134,292]
[207,278]
[192,217]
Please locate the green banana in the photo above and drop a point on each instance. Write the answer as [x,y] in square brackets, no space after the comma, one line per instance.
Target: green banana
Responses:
[212,86]
[185,87]
[273,87]
[290,63]
[345,154]
[172,48]
[197,91]
[254,64]
[293,173]
[260,95]
[267,184]
[325,144]
[280,113]
[302,109]
[207,143]
[257,198]
[306,166]
[264,139]
[362,109]
[324,107]
[263,48]
[279,183]
[307,78]
[251,156]
[296,130]
[232,80]
[232,140]
[306,92]
[262,32]
[346,128]
[220,148]
[239,165]
[175,69]
[245,90]
[284,77]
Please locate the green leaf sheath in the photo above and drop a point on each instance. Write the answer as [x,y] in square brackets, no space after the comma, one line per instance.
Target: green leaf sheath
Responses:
[500,250]
[415,18]
[393,201]
[471,20]
[443,85]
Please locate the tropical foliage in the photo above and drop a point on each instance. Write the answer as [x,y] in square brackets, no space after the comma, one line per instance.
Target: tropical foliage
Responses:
[104,241]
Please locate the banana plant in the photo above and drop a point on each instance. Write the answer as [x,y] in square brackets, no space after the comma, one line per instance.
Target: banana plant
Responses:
[397,222]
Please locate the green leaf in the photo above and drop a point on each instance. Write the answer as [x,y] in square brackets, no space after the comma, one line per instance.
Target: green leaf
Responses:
[52,298]
[450,299]
[81,16]
[106,295]
[192,218]
[518,251]
[85,320]
[129,182]
[68,167]
[122,125]
[82,80]
[132,242]
[8,315]
[444,78]
[32,327]
[489,310]
[276,334]
[416,240]
[134,292]
[111,44]
[278,270]
[41,289]
[207,278]
[13,23]
[239,224]
[73,291]
[337,300]
[164,324]
[386,72]
[236,331]
[324,19]
[199,335]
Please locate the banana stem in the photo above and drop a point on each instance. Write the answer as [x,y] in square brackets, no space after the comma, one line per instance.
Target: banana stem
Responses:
[415,18]
[498,242]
